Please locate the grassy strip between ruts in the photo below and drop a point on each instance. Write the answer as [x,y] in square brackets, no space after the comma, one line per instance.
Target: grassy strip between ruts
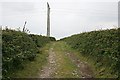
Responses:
[31,69]
[65,67]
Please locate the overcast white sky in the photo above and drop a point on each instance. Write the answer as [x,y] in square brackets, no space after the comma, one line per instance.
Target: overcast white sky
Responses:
[68,17]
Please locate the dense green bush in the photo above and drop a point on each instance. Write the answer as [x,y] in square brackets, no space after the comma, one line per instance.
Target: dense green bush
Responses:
[101,46]
[41,40]
[18,47]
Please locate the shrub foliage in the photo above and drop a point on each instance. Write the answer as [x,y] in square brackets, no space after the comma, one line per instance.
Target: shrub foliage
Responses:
[18,47]
[102,46]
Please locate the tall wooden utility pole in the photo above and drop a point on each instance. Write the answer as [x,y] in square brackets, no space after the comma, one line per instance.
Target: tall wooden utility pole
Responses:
[48,20]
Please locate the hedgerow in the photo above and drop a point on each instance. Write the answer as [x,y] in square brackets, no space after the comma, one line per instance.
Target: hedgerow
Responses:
[101,46]
[18,47]
[40,40]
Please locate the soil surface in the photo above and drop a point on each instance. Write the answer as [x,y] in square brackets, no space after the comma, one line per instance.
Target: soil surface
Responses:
[50,68]
[55,58]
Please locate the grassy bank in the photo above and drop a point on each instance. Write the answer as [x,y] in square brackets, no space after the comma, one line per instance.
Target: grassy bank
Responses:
[20,49]
[32,68]
[101,48]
